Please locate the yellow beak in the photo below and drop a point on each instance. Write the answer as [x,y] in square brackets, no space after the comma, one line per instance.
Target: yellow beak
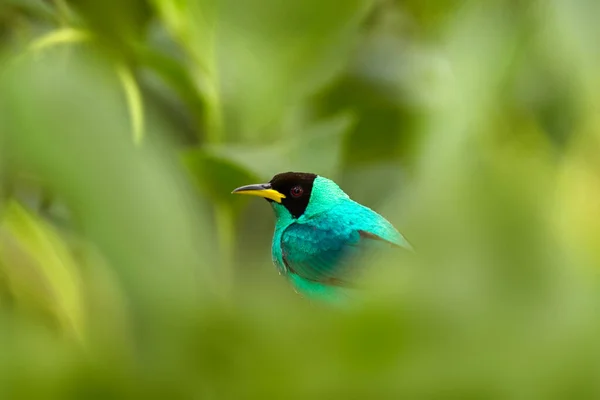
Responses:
[262,190]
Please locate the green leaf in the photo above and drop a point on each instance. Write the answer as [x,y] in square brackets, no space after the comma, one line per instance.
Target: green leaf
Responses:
[134,102]
[254,60]
[316,148]
[116,22]
[217,176]
[129,84]
[58,37]
[177,79]
[114,189]
[37,9]
[40,270]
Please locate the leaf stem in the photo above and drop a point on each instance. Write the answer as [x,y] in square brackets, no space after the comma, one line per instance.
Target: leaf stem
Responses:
[134,102]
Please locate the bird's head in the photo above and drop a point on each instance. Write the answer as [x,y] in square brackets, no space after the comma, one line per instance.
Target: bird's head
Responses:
[297,193]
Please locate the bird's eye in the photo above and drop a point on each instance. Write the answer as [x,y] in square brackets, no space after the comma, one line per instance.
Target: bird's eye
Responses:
[297,191]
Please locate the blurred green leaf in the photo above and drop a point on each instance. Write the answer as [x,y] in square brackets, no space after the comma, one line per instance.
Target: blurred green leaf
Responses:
[40,270]
[35,8]
[129,84]
[217,177]
[75,164]
[252,84]
[431,16]
[116,22]
[58,37]
[134,102]
[177,79]
[315,148]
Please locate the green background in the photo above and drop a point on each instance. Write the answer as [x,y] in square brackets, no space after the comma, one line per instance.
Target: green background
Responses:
[128,270]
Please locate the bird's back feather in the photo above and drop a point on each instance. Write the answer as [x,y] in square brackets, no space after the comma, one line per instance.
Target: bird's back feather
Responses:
[328,248]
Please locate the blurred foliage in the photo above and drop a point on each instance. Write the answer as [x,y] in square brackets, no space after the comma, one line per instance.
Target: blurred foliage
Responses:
[128,270]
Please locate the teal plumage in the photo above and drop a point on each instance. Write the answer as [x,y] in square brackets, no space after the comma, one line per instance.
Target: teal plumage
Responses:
[322,238]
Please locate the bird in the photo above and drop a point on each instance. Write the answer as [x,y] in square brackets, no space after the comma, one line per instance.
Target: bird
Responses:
[323,239]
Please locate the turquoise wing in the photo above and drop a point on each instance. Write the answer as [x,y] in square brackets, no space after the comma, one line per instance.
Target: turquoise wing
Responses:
[331,248]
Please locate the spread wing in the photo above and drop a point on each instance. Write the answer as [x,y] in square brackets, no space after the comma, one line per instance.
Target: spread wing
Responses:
[332,248]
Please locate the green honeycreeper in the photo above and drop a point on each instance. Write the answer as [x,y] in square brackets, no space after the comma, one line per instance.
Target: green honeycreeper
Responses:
[322,238]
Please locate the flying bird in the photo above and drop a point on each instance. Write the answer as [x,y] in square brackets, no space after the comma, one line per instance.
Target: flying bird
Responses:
[322,239]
